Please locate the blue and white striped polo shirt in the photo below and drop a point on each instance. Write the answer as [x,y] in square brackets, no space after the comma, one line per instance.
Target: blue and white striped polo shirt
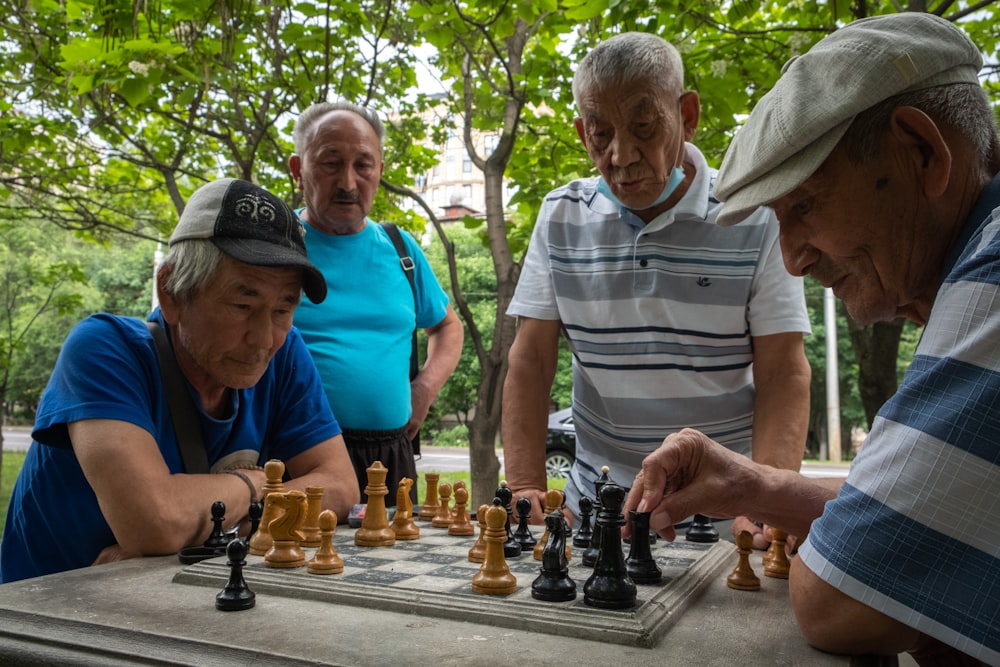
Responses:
[915,530]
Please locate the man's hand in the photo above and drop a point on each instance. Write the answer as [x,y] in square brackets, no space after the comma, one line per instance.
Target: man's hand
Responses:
[113,554]
[537,498]
[689,473]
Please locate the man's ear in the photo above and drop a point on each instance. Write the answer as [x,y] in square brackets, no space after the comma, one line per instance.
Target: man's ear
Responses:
[691,113]
[169,304]
[578,124]
[921,137]
[295,168]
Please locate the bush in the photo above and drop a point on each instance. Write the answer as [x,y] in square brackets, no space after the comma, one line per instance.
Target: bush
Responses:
[457,436]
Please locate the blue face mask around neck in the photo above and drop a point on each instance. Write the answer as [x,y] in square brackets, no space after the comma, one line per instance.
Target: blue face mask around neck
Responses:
[676,176]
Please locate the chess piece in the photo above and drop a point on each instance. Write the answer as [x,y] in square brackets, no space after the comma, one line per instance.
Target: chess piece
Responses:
[454,493]
[742,578]
[553,583]
[523,533]
[494,577]
[460,523]
[610,587]
[236,596]
[590,555]
[776,565]
[477,554]
[402,520]
[641,566]
[255,512]
[553,501]
[375,530]
[443,517]
[310,525]
[261,541]
[585,532]
[326,560]
[286,530]
[511,547]
[702,530]
[429,509]
[218,539]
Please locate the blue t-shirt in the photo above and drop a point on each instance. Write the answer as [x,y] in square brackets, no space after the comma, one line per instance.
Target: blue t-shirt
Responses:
[360,336]
[108,369]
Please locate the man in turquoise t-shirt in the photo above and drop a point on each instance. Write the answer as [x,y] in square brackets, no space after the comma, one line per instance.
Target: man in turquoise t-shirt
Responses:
[360,336]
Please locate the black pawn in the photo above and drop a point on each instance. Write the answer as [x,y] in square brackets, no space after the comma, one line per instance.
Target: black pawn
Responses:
[702,530]
[589,556]
[511,548]
[218,539]
[641,566]
[236,596]
[256,512]
[585,533]
[553,583]
[523,534]
[610,587]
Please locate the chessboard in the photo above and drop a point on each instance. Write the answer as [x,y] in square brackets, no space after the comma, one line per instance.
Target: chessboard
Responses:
[432,577]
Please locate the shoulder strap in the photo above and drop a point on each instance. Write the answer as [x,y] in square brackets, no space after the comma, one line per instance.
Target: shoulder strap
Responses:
[406,262]
[182,410]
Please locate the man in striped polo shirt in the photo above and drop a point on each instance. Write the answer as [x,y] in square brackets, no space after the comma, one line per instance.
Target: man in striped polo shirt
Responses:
[673,320]
[878,151]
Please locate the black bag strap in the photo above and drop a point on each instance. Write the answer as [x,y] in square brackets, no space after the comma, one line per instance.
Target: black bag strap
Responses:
[408,266]
[182,410]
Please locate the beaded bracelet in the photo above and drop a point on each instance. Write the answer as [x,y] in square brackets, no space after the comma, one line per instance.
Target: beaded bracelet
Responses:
[243,476]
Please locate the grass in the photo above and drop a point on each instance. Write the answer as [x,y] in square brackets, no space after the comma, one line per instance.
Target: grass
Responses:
[12,462]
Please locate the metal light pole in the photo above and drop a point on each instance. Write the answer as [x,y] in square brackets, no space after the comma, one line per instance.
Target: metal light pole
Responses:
[832,376]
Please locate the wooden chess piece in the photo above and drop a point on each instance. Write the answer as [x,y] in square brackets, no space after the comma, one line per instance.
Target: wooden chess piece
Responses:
[701,530]
[375,530]
[523,533]
[459,484]
[776,565]
[477,554]
[586,531]
[402,521]
[460,524]
[553,583]
[286,530]
[326,560]
[218,539]
[256,511]
[553,501]
[261,541]
[494,577]
[236,596]
[641,566]
[310,525]
[610,587]
[430,507]
[443,517]
[742,578]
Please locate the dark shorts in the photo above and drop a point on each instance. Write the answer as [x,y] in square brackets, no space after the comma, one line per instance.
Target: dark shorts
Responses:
[395,452]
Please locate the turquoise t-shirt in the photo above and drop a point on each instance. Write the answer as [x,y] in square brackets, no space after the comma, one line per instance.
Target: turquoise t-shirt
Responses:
[360,336]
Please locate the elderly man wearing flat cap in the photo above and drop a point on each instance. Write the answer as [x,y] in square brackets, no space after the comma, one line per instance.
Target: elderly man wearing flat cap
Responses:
[878,152]
[109,475]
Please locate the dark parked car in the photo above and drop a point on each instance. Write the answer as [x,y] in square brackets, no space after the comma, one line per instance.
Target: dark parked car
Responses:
[560,444]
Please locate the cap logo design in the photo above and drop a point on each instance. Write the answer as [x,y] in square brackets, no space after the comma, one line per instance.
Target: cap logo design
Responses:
[256,208]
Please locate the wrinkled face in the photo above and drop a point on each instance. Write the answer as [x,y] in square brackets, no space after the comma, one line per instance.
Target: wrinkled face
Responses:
[227,334]
[635,137]
[862,230]
[339,172]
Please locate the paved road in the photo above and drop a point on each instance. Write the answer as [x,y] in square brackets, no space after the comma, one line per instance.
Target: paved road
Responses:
[438,459]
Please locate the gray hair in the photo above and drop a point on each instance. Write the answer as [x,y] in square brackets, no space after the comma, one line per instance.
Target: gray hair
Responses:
[963,106]
[307,121]
[192,265]
[628,57]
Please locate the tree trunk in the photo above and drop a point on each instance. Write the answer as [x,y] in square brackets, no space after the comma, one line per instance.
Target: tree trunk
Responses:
[876,349]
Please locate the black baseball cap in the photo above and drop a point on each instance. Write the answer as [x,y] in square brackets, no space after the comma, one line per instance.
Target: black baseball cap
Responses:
[251,225]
